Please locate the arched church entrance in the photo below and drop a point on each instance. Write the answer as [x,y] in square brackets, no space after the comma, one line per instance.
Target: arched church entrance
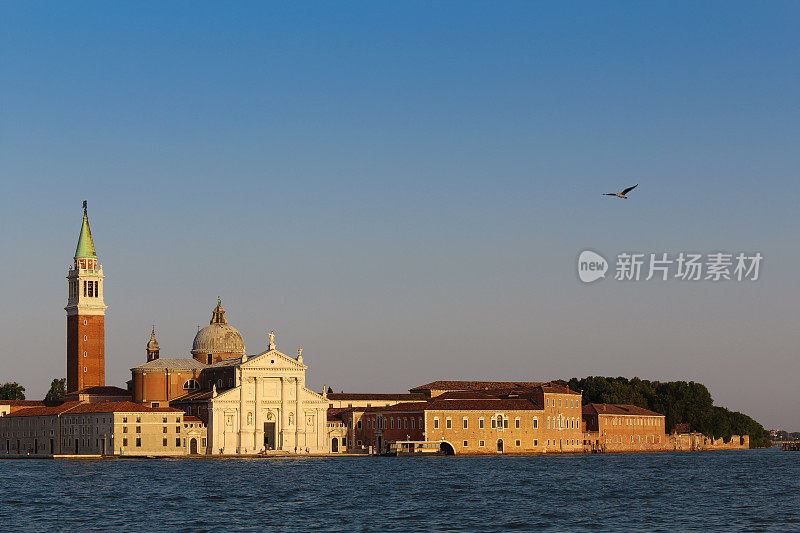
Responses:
[500,445]
[193,446]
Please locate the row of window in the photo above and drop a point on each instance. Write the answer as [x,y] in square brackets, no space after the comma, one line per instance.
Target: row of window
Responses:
[570,403]
[636,421]
[498,422]
[637,439]
[389,423]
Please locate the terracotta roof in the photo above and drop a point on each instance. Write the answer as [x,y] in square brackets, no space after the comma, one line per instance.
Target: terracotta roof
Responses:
[172,363]
[42,411]
[617,409]
[475,385]
[377,396]
[405,406]
[486,404]
[103,391]
[558,389]
[204,394]
[21,403]
[228,361]
[469,395]
[120,407]
[190,418]
[549,386]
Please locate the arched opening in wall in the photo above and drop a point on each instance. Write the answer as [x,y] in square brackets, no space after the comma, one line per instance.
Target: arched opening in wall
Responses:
[500,445]
[447,449]
[191,384]
[741,441]
[335,445]
[193,446]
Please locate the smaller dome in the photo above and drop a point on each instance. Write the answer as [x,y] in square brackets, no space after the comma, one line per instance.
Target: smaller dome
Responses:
[218,337]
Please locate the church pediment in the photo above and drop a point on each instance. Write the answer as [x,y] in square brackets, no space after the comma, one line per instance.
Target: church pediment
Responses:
[272,359]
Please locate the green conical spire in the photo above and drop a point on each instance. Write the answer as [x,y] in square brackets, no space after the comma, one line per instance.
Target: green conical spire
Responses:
[85,247]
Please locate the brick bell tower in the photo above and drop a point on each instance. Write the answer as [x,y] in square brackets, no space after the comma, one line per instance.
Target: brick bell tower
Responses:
[86,366]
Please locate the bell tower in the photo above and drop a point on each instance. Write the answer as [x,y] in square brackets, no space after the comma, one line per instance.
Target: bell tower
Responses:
[152,346]
[85,315]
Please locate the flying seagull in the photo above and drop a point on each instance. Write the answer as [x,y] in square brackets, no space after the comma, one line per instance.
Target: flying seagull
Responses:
[621,194]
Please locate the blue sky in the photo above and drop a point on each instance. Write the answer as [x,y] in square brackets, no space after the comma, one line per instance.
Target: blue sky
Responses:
[403,189]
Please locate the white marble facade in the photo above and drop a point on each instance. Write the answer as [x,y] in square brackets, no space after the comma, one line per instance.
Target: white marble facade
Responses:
[269,408]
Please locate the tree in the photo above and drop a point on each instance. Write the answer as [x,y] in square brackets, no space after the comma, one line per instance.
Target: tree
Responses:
[678,401]
[12,391]
[330,390]
[58,389]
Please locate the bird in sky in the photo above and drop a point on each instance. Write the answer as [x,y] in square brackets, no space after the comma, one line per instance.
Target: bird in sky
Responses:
[623,193]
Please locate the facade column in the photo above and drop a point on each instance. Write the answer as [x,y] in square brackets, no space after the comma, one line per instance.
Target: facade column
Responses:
[258,439]
[242,414]
[284,413]
[322,424]
[299,418]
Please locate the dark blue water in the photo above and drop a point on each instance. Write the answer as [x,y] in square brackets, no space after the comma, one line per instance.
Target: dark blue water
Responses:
[737,490]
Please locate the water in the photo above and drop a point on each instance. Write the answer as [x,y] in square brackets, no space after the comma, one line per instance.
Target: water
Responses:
[735,490]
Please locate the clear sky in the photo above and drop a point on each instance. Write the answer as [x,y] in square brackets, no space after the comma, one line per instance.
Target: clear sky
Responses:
[403,189]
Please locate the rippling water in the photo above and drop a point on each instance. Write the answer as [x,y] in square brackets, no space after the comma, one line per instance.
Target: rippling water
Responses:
[736,490]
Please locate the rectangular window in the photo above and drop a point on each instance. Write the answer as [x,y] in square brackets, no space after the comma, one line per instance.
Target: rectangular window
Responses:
[91,289]
[535,442]
[435,423]
[177,429]
[125,429]
[449,423]
[480,423]
[165,429]
[358,425]
[466,443]
[412,423]
[178,442]
[535,423]
[84,289]
[493,423]
[125,441]
[516,423]
[518,443]
[138,429]
[138,442]
[466,423]
[505,423]
[163,442]
[481,443]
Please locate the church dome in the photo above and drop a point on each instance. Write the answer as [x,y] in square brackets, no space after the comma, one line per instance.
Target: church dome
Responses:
[219,339]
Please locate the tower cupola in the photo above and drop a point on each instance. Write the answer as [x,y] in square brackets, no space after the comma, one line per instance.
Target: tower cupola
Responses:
[152,346]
